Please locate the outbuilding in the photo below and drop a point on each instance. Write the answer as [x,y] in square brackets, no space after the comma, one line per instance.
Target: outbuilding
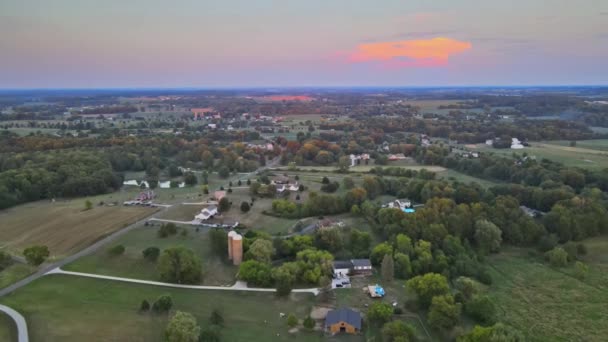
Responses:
[343,320]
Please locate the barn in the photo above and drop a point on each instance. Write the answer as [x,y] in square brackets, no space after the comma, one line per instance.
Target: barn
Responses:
[343,320]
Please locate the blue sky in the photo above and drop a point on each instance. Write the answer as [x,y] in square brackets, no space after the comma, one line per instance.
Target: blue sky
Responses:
[153,43]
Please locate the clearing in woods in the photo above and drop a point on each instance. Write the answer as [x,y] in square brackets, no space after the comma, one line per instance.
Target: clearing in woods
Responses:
[551,304]
[63,226]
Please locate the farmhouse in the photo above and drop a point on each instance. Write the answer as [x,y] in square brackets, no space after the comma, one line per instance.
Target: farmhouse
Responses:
[206,213]
[398,156]
[353,266]
[355,159]
[400,204]
[280,180]
[343,320]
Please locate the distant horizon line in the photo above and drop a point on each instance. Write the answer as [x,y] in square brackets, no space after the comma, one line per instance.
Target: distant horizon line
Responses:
[2,89]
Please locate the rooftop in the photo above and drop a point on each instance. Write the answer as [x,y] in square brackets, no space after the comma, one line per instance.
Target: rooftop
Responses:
[344,315]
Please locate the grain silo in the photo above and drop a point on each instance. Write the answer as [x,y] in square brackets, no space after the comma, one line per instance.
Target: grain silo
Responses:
[231,235]
[237,249]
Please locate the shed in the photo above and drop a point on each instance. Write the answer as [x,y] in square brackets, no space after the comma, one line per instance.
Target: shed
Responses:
[361,266]
[343,320]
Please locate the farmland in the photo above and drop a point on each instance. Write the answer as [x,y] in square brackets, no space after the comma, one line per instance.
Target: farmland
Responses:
[67,308]
[63,226]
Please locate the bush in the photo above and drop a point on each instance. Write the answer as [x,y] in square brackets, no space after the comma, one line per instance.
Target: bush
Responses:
[580,270]
[116,250]
[167,229]
[224,205]
[151,253]
[145,306]
[216,318]
[309,323]
[245,207]
[163,304]
[557,257]
[182,328]
[379,313]
[36,255]
[330,187]
[581,249]
[547,242]
[292,320]
[325,180]
[210,334]
[482,309]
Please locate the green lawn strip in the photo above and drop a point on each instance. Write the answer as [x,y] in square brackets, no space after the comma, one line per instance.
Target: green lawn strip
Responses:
[14,273]
[69,308]
[8,330]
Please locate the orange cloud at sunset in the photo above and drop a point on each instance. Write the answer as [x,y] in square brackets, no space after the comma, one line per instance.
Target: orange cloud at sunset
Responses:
[410,53]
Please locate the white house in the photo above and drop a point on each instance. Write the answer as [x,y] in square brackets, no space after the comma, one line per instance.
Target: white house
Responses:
[206,213]
[516,144]
[354,158]
[400,204]
[489,142]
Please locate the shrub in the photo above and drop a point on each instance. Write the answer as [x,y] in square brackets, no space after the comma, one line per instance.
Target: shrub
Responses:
[245,207]
[167,229]
[325,180]
[36,255]
[292,320]
[482,309]
[182,328]
[116,250]
[309,323]
[216,318]
[151,253]
[163,304]
[379,313]
[557,257]
[580,270]
[145,306]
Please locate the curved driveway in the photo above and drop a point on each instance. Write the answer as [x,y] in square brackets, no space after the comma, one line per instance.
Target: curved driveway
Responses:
[19,322]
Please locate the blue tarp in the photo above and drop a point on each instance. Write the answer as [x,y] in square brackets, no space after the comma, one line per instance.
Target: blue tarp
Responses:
[379,290]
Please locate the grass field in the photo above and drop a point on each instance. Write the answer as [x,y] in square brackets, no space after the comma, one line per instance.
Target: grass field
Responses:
[463,178]
[14,273]
[68,308]
[8,330]
[132,265]
[549,304]
[569,156]
[598,144]
[63,226]
[366,168]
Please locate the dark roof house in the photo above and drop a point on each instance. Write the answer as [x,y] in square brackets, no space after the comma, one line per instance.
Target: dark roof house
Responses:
[343,320]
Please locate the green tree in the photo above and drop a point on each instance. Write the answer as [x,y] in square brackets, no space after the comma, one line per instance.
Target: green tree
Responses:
[260,250]
[348,183]
[557,257]
[444,312]
[343,163]
[224,172]
[403,244]
[151,253]
[205,178]
[245,206]
[167,229]
[210,334]
[224,205]
[379,251]
[292,320]
[190,179]
[496,333]
[428,286]
[163,304]
[488,236]
[88,205]
[482,309]
[467,287]
[379,313]
[179,265]
[388,268]
[182,328]
[403,267]
[398,331]
[36,255]
[255,273]
[5,260]
[284,277]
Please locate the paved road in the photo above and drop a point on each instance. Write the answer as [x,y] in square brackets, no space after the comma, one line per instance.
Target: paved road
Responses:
[22,335]
[239,286]
[92,248]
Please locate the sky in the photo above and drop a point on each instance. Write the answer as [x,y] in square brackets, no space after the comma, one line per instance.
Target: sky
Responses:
[263,43]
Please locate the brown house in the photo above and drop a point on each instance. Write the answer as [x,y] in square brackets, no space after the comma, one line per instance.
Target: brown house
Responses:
[343,321]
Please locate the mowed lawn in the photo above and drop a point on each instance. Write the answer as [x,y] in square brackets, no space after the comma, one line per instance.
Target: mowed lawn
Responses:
[63,226]
[570,156]
[132,264]
[549,304]
[596,144]
[8,330]
[68,308]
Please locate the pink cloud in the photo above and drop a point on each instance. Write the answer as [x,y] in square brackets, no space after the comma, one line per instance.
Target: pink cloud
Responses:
[409,53]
